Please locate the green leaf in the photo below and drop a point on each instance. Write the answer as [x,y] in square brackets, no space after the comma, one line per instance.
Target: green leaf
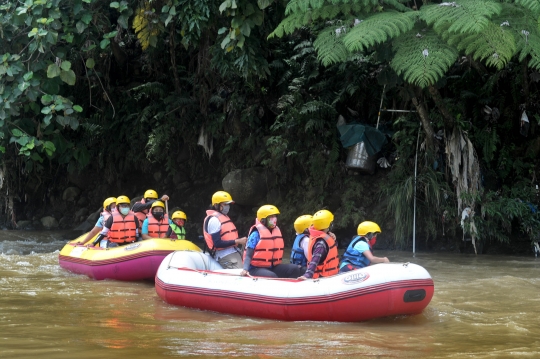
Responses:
[86,18]
[49,147]
[90,63]
[68,77]
[68,38]
[115,5]
[46,99]
[123,21]
[263,4]
[110,34]
[73,123]
[46,110]
[16,132]
[53,70]
[66,65]
[23,86]
[104,43]
[47,120]
[77,108]
[28,76]
[81,26]
[222,30]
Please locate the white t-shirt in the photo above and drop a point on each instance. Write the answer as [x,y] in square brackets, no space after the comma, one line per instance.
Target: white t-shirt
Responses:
[304,243]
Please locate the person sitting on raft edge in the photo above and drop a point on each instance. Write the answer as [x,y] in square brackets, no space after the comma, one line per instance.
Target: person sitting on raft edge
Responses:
[121,228]
[264,248]
[359,252]
[109,207]
[220,233]
[322,250]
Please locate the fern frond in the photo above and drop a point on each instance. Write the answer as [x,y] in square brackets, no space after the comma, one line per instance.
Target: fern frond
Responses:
[533,5]
[377,29]
[462,16]
[330,47]
[495,45]
[298,20]
[422,58]
[303,6]
[144,27]
[523,24]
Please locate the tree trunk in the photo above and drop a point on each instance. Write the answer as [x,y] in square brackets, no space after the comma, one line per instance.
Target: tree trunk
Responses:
[449,120]
[428,129]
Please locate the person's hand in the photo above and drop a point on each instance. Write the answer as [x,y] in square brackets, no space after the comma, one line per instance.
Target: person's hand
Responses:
[244,273]
[242,240]
[301,278]
[386,260]
[164,197]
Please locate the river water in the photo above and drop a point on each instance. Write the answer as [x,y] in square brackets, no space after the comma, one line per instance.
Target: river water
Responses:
[483,307]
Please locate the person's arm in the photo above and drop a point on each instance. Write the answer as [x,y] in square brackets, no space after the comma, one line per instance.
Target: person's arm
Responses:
[373,259]
[91,235]
[106,227]
[319,251]
[252,242]
[139,207]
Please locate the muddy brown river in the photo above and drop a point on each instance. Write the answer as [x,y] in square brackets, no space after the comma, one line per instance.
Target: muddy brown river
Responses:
[483,307]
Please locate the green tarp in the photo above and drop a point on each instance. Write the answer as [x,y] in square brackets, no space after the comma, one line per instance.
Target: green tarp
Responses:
[353,133]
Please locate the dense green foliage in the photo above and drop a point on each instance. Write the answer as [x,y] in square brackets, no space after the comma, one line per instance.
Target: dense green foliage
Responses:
[126,87]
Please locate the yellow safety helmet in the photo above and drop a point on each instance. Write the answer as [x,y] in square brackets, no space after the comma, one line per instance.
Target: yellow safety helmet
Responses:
[109,201]
[221,197]
[322,219]
[266,210]
[368,227]
[122,199]
[302,223]
[158,204]
[179,215]
[150,194]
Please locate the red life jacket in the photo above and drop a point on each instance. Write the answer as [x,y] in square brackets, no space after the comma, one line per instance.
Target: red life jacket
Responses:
[158,229]
[228,229]
[143,214]
[330,264]
[123,229]
[269,251]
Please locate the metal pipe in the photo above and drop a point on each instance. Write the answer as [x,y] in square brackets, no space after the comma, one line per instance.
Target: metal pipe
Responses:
[385,110]
[379,116]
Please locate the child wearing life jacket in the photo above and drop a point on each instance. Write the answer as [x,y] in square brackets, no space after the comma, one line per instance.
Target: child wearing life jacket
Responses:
[300,246]
[359,252]
[176,226]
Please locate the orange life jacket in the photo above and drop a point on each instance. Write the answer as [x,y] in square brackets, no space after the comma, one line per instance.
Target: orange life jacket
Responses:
[158,229]
[143,214]
[228,229]
[269,251]
[330,264]
[123,229]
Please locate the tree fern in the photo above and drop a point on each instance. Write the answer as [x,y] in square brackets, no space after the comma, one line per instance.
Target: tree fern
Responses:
[328,12]
[533,5]
[377,29]
[523,24]
[462,16]
[422,58]
[330,47]
[303,6]
[495,45]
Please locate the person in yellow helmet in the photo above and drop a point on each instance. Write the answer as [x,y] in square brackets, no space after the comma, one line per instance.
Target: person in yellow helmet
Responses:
[264,248]
[220,233]
[121,228]
[109,207]
[359,252]
[142,208]
[322,253]
[156,224]
[300,246]
[176,226]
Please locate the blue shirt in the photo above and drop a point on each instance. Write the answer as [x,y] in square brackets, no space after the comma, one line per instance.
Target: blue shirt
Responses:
[253,239]
[99,222]
[361,247]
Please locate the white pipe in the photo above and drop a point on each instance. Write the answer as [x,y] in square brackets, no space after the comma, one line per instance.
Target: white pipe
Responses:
[414,211]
